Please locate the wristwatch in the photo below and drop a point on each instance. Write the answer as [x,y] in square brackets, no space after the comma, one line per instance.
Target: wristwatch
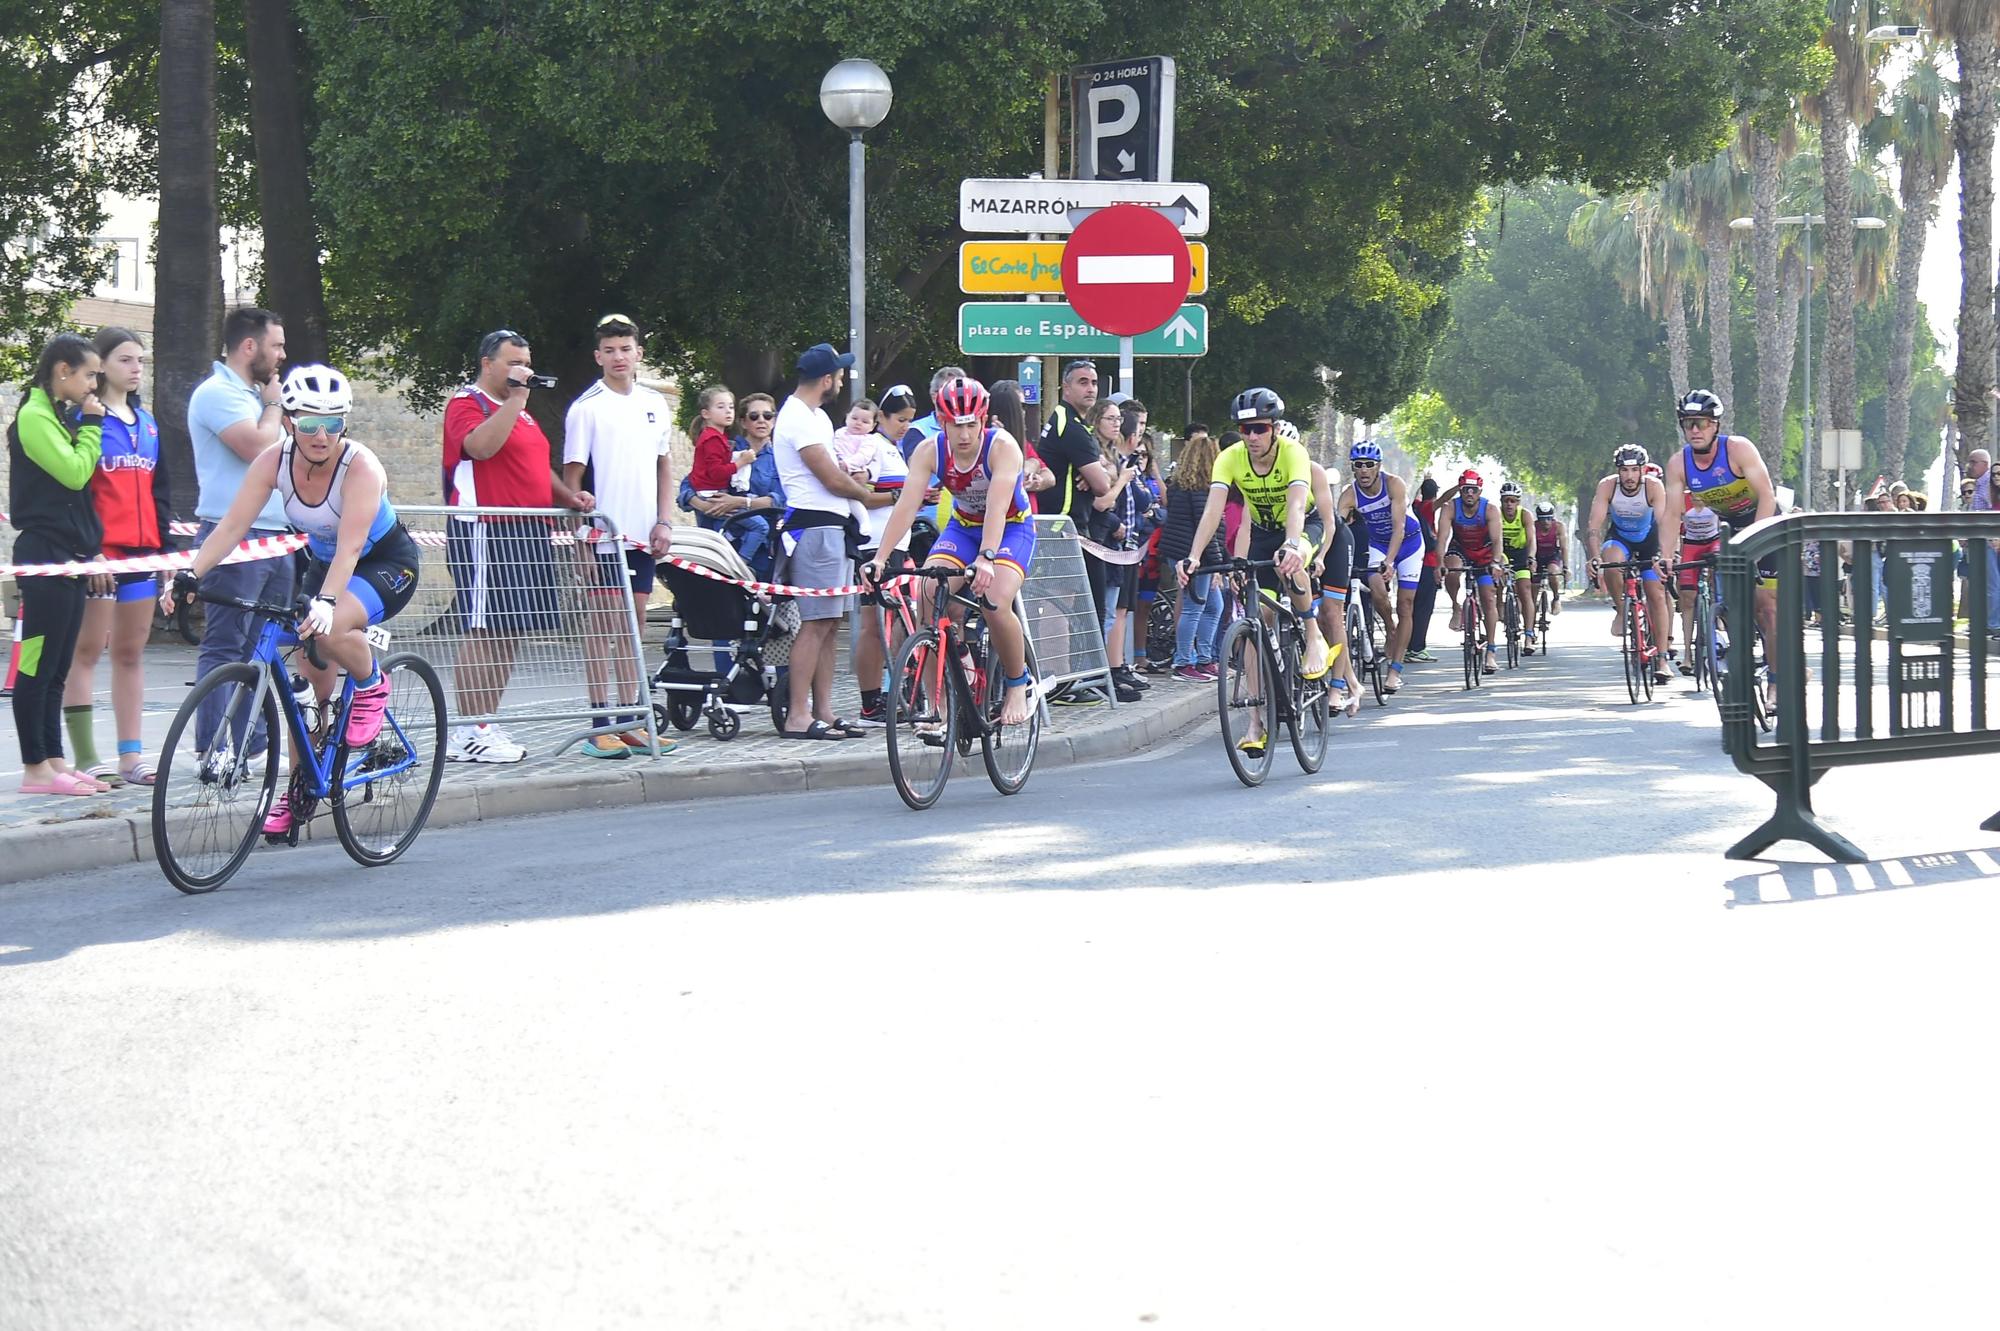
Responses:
[989,555]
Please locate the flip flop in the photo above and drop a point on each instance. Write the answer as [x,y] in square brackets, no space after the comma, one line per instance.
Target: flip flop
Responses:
[1252,746]
[139,774]
[846,728]
[817,730]
[105,775]
[62,783]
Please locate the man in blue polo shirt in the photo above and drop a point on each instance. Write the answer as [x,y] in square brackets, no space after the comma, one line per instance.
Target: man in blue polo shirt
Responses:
[232,417]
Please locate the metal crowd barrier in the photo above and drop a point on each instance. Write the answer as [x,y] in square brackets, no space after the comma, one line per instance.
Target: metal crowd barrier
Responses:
[1921,692]
[523,625]
[1061,615]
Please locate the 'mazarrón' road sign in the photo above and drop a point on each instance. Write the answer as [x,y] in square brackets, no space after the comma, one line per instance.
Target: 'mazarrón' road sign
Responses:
[1052,328]
[1055,207]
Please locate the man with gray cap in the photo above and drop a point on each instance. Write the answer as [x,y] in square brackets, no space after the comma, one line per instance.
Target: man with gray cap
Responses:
[816,538]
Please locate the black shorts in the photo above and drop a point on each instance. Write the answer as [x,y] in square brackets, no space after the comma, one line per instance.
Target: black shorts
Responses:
[1264,543]
[1639,552]
[1337,576]
[505,572]
[383,580]
[637,568]
[1767,567]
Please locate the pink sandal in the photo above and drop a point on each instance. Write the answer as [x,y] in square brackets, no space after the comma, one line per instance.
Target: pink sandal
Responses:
[63,783]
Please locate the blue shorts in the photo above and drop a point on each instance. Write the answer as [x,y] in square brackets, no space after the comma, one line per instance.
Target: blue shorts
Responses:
[637,567]
[1617,550]
[958,545]
[383,580]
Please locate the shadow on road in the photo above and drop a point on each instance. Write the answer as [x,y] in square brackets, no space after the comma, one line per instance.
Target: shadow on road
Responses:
[1788,884]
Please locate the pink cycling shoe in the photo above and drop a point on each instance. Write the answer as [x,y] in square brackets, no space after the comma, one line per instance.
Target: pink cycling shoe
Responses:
[364,716]
[279,820]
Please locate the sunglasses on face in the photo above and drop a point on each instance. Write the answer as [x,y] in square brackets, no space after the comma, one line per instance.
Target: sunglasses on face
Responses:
[1689,422]
[1364,466]
[319,424]
[760,415]
[1255,427]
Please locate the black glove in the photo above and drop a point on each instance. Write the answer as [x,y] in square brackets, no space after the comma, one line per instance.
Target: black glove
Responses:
[185,583]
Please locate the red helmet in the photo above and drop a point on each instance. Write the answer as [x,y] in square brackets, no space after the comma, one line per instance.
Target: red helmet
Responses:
[961,401]
[1470,477]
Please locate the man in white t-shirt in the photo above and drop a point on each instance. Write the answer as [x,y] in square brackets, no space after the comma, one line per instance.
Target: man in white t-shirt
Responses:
[814,539]
[615,443]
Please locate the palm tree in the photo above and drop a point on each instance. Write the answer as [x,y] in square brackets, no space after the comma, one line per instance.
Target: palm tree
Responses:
[1634,238]
[1918,126]
[1973,27]
[187,315]
[1705,197]
[1773,374]
[1847,96]
[278,93]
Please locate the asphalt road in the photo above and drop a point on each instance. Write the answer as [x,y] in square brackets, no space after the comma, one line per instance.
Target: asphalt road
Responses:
[1476,1028]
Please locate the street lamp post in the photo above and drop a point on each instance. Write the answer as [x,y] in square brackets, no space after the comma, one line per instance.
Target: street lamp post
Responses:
[1806,222]
[856,96]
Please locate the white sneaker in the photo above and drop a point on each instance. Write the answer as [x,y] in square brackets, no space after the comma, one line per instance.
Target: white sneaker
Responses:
[483,744]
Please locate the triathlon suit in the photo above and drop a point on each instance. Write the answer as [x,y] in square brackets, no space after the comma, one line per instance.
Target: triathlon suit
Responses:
[1375,511]
[1634,535]
[1548,545]
[1336,577]
[1470,540]
[1730,497]
[1701,536]
[385,577]
[1266,496]
[959,543]
[1514,541]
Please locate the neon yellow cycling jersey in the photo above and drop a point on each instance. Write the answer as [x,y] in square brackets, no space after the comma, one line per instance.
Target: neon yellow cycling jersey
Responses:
[1513,531]
[1265,494]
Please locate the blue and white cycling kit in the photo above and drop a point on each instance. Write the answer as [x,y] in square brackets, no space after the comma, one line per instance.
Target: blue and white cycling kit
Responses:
[385,576]
[1634,534]
[1375,511]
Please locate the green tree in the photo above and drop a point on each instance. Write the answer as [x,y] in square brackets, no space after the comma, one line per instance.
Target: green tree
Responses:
[1546,366]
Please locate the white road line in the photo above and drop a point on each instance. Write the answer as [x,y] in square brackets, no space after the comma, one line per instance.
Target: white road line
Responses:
[1560,734]
[1824,884]
[1897,874]
[1099,269]
[1982,861]
[1863,880]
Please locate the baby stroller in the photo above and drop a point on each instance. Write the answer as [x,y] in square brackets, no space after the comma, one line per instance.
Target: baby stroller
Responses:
[756,629]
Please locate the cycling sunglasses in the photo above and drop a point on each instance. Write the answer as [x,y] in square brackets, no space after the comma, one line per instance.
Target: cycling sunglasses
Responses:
[1255,427]
[319,424]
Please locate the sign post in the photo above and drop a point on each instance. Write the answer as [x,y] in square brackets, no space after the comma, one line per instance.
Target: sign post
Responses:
[1126,270]
[1840,451]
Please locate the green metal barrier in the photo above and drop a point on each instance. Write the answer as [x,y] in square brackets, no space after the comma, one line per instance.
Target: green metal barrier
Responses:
[1918,692]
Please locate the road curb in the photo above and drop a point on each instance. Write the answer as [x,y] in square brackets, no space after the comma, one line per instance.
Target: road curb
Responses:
[81,844]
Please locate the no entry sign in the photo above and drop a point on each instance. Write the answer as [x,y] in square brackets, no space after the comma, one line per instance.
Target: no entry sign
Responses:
[1126,270]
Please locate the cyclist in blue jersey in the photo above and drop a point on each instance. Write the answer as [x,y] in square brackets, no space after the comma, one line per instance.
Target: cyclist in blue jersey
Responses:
[1635,506]
[1395,546]
[362,565]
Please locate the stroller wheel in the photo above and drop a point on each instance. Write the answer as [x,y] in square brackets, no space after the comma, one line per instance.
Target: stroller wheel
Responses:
[724,724]
[681,714]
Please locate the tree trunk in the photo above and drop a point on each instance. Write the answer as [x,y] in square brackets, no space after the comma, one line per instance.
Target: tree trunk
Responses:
[1773,369]
[1919,197]
[1838,263]
[1785,348]
[187,316]
[1953,466]
[1972,132]
[292,284]
[1677,340]
[1721,253]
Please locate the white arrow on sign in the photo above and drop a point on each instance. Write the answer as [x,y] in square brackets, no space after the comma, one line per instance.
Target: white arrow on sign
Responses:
[1055,207]
[1180,330]
[1126,161]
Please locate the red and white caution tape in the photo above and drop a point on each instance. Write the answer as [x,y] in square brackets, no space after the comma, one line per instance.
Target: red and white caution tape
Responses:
[1102,555]
[767,588]
[263,547]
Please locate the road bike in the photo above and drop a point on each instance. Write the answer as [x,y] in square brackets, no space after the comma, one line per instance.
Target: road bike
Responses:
[1712,646]
[210,800]
[1473,642]
[1636,650]
[1547,596]
[1273,651]
[946,694]
[1510,614]
[1367,641]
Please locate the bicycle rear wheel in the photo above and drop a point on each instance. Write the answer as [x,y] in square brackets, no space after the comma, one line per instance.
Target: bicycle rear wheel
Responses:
[397,774]
[923,718]
[209,803]
[1512,617]
[1009,751]
[1241,706]
[1469,649]
[1307,721]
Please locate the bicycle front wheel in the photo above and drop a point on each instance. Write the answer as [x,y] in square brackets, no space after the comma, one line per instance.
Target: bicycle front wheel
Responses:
[1635,668]
[382,795]
[1470,651]
[1513,605]
[1009,751]
[1247,710]
[209,801]
[923,718]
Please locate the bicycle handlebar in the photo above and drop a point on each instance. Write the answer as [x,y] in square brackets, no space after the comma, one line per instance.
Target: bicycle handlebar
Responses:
[937,575]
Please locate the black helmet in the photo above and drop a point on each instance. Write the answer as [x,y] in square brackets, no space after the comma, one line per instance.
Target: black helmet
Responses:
[1700,403]
[1629,455]
[1256,404]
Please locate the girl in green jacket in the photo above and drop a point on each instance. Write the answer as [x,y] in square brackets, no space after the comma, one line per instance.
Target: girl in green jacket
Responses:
[50,465]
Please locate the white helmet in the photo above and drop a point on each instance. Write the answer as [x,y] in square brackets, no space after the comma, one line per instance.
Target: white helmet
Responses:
[1287,430]
[317,390]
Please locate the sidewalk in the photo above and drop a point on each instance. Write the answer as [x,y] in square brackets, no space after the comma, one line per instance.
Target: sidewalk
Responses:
[42,834]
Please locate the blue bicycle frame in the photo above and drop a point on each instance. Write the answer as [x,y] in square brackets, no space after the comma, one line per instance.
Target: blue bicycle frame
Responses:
[319,763]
